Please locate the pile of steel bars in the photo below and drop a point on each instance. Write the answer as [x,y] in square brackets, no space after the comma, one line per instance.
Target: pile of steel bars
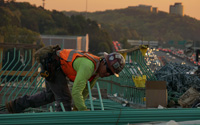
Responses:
[108,105]
[179,79]
[101,117]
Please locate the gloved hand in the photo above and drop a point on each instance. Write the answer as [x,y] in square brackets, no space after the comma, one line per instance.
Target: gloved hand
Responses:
[75,109]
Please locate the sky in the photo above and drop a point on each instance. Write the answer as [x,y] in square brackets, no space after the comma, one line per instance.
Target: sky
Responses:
[191,7]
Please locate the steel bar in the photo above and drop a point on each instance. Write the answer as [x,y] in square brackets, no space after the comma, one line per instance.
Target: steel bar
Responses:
[5,64]
[100,98]
[12,92]
[17,70]
[124,116]
[1,57]
[62,107]
[90,96]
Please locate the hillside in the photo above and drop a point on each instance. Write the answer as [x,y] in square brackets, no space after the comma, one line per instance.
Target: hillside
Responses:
[130,23]
[24,23]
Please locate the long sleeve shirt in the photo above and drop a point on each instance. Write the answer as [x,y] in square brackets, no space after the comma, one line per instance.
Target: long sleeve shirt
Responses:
[84,68]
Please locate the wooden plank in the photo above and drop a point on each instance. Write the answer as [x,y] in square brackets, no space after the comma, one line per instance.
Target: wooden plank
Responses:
[23,73]
[128,50]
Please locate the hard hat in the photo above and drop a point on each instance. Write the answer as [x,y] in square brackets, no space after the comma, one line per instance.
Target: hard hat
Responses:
[115,61]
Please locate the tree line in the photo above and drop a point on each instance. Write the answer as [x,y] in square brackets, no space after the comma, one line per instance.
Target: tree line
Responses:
[22,22]
[132,23]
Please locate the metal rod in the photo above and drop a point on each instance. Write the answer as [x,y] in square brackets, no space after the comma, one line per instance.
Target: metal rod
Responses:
[90,96]
[100,98]
[62,107]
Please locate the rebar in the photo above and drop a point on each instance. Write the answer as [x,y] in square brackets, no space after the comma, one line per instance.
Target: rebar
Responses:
[123,116]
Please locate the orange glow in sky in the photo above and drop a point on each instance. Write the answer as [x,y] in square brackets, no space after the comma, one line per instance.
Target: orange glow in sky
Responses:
[191,7]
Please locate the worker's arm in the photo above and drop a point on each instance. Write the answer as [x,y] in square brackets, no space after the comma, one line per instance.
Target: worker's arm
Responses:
[84,68]
[85,91]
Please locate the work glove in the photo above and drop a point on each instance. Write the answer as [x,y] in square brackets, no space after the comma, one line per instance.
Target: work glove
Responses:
[75,109]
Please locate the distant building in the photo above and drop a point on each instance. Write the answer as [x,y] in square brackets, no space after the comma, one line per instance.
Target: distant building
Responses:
[177,8]
[67,42]
[155,10]
[141,42]
[145,8]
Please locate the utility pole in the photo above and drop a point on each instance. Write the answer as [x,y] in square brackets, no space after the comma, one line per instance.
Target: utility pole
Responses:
[86,9]
[43,3]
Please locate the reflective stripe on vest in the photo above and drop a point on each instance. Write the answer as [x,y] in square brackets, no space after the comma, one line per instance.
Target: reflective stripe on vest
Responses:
[69,59]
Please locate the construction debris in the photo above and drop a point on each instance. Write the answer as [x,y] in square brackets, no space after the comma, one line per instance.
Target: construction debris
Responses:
[179,79]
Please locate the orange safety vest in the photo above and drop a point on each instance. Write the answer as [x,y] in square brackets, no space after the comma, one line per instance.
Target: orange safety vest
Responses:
[67,57]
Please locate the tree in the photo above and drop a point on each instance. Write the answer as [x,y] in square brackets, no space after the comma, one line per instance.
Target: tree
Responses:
[2,2]
[125,44]
[103,47]
[24,22]
[14,34]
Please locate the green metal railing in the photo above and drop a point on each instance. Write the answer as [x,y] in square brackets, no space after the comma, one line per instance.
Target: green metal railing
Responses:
[15,85]
[18,81]
[22,82]
[124,86]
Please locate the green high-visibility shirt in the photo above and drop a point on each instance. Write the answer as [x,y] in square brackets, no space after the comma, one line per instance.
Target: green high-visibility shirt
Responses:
[84,68]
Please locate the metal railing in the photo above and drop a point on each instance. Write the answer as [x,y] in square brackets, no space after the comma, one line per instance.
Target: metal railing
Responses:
[124,86]
[21,80]
[17,77]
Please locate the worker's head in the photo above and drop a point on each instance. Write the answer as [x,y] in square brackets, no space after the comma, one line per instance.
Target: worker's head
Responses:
[112,64]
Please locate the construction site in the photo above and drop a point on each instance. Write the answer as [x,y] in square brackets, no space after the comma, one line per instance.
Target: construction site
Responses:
[99,62]
[139,95]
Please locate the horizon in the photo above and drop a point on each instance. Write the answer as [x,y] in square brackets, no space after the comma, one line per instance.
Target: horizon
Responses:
[190,7]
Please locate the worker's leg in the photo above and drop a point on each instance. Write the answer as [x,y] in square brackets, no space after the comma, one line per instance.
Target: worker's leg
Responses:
[26,101]
[56,90]
[61,90]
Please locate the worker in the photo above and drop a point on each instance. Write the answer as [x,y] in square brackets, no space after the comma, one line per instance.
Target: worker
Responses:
[70,65]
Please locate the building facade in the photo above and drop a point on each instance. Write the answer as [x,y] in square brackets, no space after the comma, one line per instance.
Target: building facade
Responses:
[145,8]
[177,8]
[67,42]
[141,42]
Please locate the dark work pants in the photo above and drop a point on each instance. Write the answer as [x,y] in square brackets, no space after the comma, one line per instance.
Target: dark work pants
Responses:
[56,90]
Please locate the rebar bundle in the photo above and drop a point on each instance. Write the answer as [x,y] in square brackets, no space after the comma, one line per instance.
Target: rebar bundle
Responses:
[130,116]
[179,78]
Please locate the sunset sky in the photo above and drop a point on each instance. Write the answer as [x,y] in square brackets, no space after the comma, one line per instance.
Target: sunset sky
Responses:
[191,7]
